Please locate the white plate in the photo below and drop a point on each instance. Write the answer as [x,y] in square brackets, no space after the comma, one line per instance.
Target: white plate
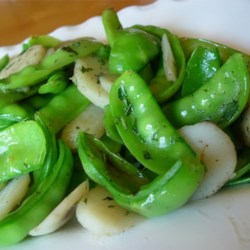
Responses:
[221,222]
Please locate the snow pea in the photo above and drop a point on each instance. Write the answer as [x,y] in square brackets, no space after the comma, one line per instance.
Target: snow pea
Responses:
[46,41]
[201,66]
[220,100]
[162,88]
[38,101]
[63,107]
[150,138]
[19,153]
[16,226]
[130,187]
[62,57]
[4,61]
[190,44]
[131,48]
[55,84]
[16,95]
[51,157]
[14,113]
[109,125]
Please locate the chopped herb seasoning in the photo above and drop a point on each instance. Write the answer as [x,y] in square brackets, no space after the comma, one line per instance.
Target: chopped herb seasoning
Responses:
[83,69]
[146,155]
[70,50]
[108,198]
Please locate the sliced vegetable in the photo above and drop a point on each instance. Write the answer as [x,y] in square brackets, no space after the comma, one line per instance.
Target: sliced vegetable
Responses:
[89,72]
[31,56]
[89,121]
[101,215]
[168,60]
[13,193]
[62,213]
[216,151]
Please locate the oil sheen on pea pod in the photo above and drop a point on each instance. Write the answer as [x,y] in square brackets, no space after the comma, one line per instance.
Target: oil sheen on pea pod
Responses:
[201,66]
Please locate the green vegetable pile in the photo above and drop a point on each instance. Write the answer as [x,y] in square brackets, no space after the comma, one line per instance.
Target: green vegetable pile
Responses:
[162,83]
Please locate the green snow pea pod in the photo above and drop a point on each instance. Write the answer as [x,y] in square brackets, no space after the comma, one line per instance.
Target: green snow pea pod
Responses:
[190,44]
[109,125]
[38,101]
[131,189]
[201,66]
[63,108]
[162,87]
[55,84]
[19,153]
[220,100]
[12,96]
[129,177]
[34,209]
[131,48]
[14,113]
[51,157]
[46,41]
[4,61]
[144,129]
[62,57]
